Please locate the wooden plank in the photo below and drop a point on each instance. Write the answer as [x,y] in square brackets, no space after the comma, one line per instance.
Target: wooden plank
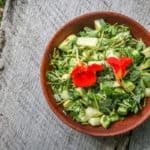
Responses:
[26,122]
[140,139]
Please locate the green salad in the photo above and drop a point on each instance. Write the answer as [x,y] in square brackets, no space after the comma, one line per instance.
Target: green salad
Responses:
[101,75]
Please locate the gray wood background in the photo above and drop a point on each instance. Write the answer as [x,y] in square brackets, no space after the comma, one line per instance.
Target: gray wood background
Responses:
[26,122]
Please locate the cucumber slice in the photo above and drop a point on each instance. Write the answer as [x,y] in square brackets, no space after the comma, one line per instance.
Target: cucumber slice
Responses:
[87,41]
[95,121]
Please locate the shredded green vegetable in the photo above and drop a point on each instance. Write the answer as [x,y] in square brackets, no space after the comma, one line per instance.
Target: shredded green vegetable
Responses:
[105,102]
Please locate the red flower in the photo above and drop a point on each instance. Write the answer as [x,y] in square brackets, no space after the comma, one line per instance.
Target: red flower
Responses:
[84,75]
[119,66]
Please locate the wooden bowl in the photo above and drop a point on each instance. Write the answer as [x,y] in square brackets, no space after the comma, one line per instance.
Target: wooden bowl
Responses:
[74,26]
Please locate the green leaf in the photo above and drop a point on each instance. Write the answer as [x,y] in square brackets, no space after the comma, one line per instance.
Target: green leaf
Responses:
[88,32]
[135,75]
[107,105]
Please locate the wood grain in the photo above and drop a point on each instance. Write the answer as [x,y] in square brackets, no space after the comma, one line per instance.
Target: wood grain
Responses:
[26,122]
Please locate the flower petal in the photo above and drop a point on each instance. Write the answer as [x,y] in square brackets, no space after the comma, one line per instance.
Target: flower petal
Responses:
[85,79]
[119,66]
[125,62]
[78,69]
[84,75]
[114,62]
[95,67]
[119,74]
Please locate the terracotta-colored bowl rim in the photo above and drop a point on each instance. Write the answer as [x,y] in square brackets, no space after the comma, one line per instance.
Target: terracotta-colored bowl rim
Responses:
[145,112]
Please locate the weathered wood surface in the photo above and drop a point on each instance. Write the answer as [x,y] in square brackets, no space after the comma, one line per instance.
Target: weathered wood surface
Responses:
[26,122]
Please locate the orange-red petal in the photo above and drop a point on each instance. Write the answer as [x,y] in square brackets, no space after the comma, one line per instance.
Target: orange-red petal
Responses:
[125,62]
[119,66]
[84,75]
[78,69]
[114,62]
[95,67]
[85,79]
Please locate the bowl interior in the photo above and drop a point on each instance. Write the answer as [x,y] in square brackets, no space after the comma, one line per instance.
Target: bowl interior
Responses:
[74,26]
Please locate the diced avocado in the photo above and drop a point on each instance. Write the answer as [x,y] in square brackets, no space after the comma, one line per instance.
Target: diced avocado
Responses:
[105,121]
[65,76]
[119,90]
[99,24]
[114,117]
[82,116]
[146,52]
[65,95]
[136,55]
[84,119]
[87,41]
[79,91]
[67,103]
[68,43]
[128,85]
[123,111]
[147,92]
